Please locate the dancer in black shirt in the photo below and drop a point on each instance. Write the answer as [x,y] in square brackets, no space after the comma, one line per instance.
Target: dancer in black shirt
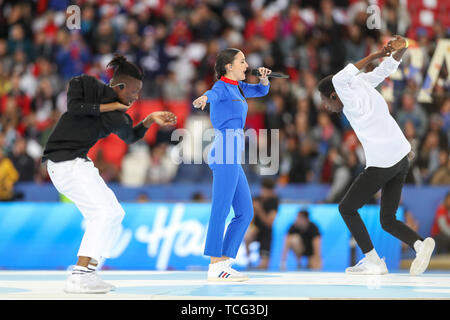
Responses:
[95,110]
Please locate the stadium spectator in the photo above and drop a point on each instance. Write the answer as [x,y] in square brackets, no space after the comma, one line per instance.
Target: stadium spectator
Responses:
[135,165]
[23,163]
[304,239]
[397,19]
[445,113]
[441,227]
[411,111]
[442,174]
[413,176]
[161,168]
[428,157]
[341,169]
[301,168]
[8,178]
[176,45]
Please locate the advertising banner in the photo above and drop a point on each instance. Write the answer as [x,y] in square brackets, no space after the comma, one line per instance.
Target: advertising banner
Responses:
[170,236]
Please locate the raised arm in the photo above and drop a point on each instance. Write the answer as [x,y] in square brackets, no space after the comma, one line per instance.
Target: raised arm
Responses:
[389,65]
[383,52]
[343,79]
[380,73]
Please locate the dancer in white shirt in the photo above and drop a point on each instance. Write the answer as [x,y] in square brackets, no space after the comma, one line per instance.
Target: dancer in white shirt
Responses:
[386,150]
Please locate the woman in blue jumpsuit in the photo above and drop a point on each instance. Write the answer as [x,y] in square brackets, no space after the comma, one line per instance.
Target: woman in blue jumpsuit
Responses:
[228,111]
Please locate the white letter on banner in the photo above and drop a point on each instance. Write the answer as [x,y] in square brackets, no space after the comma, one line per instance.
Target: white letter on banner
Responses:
[169,236]
[153,237]
[190,239]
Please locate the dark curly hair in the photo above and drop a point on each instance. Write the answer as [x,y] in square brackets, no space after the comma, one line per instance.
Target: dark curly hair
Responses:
[122,67]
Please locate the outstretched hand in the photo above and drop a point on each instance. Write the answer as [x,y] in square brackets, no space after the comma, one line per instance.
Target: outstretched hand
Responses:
[398,43]
[200,102]
[162,118]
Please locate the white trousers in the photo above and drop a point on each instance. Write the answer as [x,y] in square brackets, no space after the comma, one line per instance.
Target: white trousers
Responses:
[80,181]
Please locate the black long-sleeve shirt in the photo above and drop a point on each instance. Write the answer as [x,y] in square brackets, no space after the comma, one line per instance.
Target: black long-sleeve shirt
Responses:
[83,124]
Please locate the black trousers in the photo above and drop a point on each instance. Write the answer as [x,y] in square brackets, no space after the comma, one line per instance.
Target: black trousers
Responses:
[390,181]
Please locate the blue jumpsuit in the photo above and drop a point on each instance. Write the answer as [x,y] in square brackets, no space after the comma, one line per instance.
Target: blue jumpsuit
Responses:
[228,111]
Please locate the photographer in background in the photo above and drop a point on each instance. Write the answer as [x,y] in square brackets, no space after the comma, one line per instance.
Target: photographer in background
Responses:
[265,210]
[305,240]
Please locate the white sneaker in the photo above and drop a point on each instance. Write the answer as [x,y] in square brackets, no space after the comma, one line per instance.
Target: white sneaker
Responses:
[423,256]
[85,283]
[222,271]
[367,266]
[100,280]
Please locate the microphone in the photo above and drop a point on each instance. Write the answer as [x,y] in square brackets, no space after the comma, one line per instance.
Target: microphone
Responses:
[255,72]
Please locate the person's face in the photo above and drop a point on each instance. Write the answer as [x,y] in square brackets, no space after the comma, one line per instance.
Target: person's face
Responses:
[19,146]
[266,192]
[130,92]
[408,102]
[332,105]
[236,70]
[302,222]
[443,157]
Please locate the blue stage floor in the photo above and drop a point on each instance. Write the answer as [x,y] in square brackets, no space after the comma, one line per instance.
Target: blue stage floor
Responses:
[168,285]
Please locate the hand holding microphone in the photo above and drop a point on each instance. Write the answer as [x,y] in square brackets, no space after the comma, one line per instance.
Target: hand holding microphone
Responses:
[270,74]
[263,74]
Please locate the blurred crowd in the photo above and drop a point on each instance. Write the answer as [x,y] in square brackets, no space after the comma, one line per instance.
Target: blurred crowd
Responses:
[175,42]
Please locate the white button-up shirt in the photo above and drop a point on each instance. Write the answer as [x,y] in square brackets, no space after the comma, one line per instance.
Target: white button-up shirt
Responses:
[382,139]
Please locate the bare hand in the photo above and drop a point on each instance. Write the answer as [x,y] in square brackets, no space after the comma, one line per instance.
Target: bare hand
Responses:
[200,102]
[162,118]
[384,52]
[264,72]
[397,43]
